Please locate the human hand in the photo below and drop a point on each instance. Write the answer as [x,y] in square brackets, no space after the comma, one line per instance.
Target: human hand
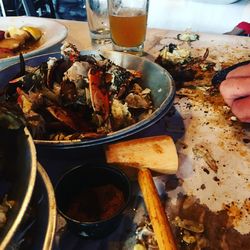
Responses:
[236,92]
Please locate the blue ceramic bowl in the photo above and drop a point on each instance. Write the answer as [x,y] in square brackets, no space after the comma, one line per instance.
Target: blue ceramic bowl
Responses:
[154,77]
[75,198]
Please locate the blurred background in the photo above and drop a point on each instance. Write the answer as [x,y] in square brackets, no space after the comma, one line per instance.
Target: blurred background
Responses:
[62,9]
[212,16]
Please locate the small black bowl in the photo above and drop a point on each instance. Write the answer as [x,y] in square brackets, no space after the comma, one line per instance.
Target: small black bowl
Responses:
[84,191]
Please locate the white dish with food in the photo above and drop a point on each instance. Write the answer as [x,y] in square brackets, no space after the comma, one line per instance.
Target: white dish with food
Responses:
[48,39]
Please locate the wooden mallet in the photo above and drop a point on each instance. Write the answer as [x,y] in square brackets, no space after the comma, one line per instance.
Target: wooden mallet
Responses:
[157,153]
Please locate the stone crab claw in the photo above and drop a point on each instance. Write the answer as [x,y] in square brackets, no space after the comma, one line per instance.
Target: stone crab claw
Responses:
[99,93]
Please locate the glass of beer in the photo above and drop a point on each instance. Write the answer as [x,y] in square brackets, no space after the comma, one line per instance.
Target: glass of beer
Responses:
[128,24]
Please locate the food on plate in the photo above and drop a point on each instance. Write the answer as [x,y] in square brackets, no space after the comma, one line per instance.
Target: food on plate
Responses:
[15,40]
[78,96]
[183,66]
[36,33]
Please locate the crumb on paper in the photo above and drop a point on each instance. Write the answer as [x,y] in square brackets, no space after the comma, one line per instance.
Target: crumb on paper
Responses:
[234,212]
[203,152]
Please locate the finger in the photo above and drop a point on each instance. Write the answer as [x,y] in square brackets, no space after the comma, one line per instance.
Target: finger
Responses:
[241,109]
[242,71]
[235,88]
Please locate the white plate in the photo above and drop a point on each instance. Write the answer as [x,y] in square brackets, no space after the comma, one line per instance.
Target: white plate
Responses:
[53,33]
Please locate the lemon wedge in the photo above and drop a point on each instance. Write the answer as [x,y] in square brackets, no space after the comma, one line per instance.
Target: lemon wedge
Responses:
[33,31]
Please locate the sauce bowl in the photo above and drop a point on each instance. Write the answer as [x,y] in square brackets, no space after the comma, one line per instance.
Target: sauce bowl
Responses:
[92,199]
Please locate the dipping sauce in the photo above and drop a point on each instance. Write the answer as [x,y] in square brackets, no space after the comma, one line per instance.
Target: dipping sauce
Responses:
[96,203]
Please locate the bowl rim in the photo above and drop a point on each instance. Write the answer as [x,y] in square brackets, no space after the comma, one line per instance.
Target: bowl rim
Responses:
[111,168]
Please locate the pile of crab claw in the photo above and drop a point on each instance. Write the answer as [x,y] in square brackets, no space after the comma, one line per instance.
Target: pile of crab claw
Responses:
[77,96]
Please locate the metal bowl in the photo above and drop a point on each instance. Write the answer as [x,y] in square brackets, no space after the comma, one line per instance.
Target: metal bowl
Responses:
[155,77]
[38,225]
[18,175]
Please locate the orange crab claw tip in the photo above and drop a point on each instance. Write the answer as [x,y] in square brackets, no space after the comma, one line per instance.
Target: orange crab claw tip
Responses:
[98,93]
